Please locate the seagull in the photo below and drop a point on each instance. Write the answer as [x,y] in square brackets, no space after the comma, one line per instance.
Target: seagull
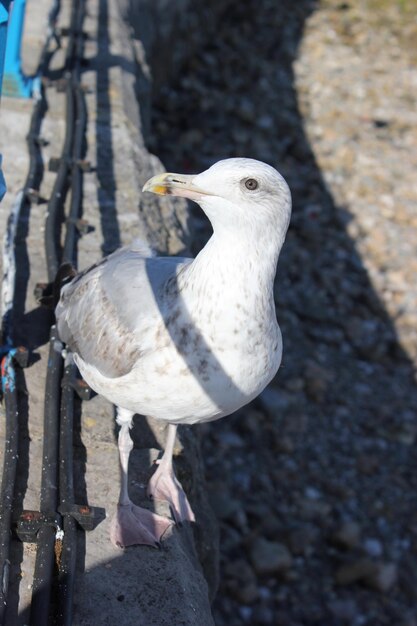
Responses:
[183,340]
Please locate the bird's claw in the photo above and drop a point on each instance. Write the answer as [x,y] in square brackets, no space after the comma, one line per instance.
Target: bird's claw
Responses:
[134,525]
[164,485]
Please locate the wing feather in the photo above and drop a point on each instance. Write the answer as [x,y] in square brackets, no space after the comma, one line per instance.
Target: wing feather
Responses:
[108,315]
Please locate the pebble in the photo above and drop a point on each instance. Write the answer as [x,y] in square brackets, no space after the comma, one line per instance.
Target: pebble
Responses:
[284,444]
[368,464]
[373,547]
[317,380]
[246,613]
[384,577]
[241,581]
[312,493]
[347,536]
[269,557]
[301,540]
[313,509]
[378,575]
[264,615]
[355,571]
[231,439]
[223,505]
[271,526]
[344,610]
[275,402]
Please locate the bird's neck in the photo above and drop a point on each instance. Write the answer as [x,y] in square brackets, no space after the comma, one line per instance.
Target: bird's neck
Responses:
[238,259]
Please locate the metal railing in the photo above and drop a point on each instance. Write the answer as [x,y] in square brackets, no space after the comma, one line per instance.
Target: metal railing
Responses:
[55,526]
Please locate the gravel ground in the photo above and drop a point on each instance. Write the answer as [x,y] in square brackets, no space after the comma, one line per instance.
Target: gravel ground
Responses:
[315,483]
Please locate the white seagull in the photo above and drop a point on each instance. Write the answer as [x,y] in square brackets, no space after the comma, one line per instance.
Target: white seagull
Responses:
[183,340]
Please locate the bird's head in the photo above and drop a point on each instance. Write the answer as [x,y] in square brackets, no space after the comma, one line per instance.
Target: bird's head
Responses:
[233,192]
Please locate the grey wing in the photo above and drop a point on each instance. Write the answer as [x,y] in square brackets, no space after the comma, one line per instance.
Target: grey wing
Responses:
[109,314]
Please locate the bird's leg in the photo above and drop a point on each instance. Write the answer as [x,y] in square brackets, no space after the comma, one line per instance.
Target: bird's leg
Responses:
[125,448]
[164,485]
[132,524]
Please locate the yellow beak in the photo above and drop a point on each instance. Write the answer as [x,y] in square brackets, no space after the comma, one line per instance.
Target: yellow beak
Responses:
[175,185]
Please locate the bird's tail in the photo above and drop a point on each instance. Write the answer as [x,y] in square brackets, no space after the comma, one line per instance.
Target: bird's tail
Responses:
[50,294]
[64,275]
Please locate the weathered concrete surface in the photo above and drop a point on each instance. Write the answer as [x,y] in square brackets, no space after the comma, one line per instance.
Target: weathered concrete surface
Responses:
[139,585]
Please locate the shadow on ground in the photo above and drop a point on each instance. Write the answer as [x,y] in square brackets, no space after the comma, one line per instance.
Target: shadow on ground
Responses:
[334,448]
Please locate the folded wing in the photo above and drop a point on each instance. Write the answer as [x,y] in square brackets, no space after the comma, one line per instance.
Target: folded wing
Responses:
[108,314]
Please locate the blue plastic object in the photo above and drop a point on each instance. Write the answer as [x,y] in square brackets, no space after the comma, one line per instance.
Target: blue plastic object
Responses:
[15,83]
[4,18]
[3,187]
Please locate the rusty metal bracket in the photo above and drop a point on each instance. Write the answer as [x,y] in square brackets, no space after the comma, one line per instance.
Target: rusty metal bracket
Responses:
[29,523]
[81,388]
[34,196]
[82,226]
[88,517]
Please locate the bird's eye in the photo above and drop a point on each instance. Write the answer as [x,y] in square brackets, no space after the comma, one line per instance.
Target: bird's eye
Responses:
[251,184]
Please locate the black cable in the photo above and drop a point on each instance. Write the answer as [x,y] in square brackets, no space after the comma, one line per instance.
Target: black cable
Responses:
[55,215]
[67,564]
[9,476]
[68,553]
[75,211]
[60,550]
[45,553]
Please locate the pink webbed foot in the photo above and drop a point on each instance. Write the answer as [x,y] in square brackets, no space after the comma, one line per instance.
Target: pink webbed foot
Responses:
[164,485]
[133,525]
